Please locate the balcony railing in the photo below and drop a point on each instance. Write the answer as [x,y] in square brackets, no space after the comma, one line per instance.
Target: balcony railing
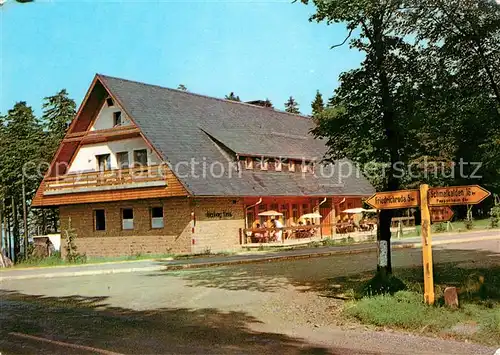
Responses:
[144,176]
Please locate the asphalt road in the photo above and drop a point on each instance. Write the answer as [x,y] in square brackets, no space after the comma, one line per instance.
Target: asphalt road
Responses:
[258,308]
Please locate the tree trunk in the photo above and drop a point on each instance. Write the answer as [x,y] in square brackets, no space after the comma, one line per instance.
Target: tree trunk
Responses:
[384,264]
[393,143]
[15,230]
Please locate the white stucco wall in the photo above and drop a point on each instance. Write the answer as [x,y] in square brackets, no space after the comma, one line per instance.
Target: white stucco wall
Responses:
[104,119]
[85,159]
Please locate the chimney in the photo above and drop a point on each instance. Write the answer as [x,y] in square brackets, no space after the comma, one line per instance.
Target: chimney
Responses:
[262,103]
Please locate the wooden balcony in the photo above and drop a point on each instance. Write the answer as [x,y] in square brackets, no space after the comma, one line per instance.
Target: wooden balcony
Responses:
[141,177]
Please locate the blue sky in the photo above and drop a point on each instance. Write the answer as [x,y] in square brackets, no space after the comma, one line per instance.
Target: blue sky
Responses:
[257,49]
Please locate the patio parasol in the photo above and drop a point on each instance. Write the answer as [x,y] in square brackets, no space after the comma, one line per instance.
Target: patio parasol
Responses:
[358,210]
[270,213]
[311,215]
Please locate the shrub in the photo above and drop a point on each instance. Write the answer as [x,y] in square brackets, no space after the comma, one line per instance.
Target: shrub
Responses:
[469,224]
[495,216]
[440,228]
[72,256]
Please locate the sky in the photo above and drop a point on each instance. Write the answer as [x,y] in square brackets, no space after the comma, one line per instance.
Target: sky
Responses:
[258,49]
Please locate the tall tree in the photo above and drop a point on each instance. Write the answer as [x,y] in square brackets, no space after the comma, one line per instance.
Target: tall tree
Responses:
[375,25]
[467,34]
[291,106]
[58,111]
[232,97]
[317,105]
[21,154]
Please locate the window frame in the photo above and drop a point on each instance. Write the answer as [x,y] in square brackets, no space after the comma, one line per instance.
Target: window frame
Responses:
[117,115]
[110,102]
[127,220]
[278,164]
[291,165]
[135,164]
[95,219]
[152,218]
[107,162]
[119,162]
[249,163]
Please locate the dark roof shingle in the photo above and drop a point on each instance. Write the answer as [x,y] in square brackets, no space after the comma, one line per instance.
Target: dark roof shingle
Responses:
[183,126]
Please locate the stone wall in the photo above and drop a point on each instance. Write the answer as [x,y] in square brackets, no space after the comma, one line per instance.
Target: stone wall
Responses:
[218,221]
[175,237]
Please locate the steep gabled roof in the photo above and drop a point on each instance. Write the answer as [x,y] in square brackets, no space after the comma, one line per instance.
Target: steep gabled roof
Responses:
[183,126]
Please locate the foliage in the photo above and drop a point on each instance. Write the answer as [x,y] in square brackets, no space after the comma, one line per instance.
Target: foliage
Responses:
[317,105]
[232,97]
[182,87]
[58,111]
[72,256]
[440,227]
[291,106]
[469,224]
[406,310]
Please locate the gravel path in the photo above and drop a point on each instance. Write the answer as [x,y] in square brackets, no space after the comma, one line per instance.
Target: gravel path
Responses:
[258,308]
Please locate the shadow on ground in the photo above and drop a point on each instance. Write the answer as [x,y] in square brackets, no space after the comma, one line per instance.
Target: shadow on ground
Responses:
[335,275]
[90,321]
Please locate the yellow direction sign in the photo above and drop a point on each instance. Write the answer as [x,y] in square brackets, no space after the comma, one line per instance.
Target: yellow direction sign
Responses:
[457,195]
[394,199]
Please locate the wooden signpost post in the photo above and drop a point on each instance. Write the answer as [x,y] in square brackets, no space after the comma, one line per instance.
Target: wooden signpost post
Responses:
[426,198]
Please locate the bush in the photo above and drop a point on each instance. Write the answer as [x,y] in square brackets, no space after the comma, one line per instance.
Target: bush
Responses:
[469,224]
[495,216]
[440,228]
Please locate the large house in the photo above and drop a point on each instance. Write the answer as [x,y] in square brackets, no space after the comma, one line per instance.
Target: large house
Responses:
[147,169]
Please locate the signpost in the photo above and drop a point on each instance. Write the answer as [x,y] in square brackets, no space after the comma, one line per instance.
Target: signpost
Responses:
[394,199]
[441,214]
[427,198]
[457,195]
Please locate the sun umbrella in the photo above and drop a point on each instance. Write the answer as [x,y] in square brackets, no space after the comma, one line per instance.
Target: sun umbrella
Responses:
[311,215]
[270,213]
[358,210]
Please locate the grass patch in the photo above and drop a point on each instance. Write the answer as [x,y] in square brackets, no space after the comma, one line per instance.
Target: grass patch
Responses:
[406,310]
[56,260]
[478,285]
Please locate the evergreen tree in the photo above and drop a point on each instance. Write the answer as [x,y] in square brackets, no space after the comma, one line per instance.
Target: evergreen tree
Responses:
[21,153]
[317,105]
[58,111]
[291,106]
[232,97]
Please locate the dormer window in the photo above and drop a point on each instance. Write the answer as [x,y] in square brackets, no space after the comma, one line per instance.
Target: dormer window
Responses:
[303,167]
[249,163]
[262,163]
[109,102]
[117,119]
[278,164]
[291,165]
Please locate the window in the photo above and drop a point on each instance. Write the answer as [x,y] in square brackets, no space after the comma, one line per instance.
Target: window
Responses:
[99,220]
[127,218]
[261,163]
[291,165]
[117,119]
[140,157]
[157,217]
[109,102]
[277,164]
[295,213]
[249,163]
[122,160]
[103,162]
[250,218]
